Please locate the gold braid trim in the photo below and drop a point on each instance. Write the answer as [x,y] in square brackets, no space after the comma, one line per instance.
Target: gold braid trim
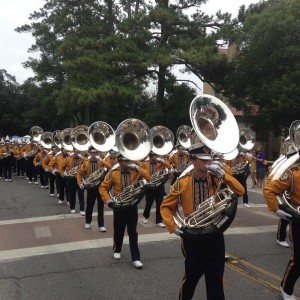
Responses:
[175,188]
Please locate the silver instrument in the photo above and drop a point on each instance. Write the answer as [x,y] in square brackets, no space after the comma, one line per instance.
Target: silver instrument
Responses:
[287,165]
[46,139]
[134,142]
[56,138]
[80,138]
[66,141]
[133,139]
[101,136]
[36,132]
[217,128]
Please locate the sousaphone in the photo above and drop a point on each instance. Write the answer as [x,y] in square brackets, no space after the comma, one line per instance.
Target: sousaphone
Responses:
[217,128]
[287,166]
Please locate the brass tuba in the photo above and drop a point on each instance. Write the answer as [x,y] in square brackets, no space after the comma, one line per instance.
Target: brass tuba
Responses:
[36,132]
[217,128]
[183,135]
[46,139]
[134,142]
[56,138]
[287,163]
[80,138]
[101,136]
[66,141]
[163,142]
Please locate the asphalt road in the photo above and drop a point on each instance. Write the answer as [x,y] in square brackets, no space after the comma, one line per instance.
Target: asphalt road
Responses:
[45,253]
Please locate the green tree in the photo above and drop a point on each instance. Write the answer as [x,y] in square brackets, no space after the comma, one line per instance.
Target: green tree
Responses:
[265,81]
[100,55]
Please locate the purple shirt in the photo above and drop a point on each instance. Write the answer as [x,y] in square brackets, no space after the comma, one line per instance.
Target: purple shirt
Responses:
[259,164]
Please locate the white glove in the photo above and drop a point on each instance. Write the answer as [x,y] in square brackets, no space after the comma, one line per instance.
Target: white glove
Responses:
[81,186]
[98,157]
[46,170]
[79,155]
[218,163]
[53,172]
[133,166]
[186,152]
[216,170]
[282,214]
[178,232]
[160,160]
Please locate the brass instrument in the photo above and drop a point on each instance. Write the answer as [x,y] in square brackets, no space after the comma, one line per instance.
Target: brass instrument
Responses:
[133,140]
[36,133]
[66,141]
[162,140]
[94,180]
[71,174]
[213,122]
[286,164]
[132,194]
[183,135]
[56,138]
[101,136]
[46,139]
[80,138]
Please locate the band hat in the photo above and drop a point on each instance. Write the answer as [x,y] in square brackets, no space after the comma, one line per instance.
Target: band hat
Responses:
[177,146]
[121,157]
[92,149]
[200,150]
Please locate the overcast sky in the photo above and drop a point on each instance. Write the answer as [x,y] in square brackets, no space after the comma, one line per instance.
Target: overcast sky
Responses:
[14,46]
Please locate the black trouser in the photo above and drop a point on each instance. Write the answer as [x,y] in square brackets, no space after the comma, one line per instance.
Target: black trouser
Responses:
[281,230]
[43,176]
[73,188]
[30,169]
[156,194]
[14,165]
[122,218]
[292,271]
[20,166]
[92,195]
[53,183]
[204,257]
[242,179]
[1,167]
[63,188]
[7,167]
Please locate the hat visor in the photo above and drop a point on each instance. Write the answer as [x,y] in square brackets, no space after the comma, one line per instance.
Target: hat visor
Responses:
[203,156]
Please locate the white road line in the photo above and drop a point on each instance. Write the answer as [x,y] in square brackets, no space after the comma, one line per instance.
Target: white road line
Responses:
[72,216]
[107,242]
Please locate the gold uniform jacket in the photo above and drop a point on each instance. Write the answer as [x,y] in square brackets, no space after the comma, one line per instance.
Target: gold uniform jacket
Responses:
[68,164]
[183,190]
[178,160]
[113,178]
[85,169]
[290,180]
[38,159]
[55,162]
[158,166]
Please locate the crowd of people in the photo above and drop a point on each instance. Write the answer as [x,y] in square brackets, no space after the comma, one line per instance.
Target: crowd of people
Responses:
[92,176]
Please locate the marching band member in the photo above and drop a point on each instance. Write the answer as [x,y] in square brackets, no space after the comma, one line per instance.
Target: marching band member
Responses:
[154,165]
[243,160]
[52,176]
[31,150]
[54,167]
[178,159]
[37,161]
[20,164]
[289,181]
[73,162]
[111,158]
[7,154]
[2,143]
[119,178]
[91,165]
[201,257]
